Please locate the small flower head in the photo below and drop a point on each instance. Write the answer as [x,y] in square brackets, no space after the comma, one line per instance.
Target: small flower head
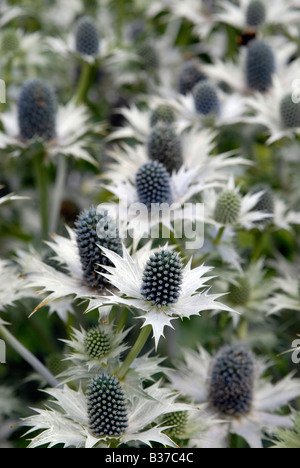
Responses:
[256,13]
[206,99]
[266,203]
[55,364]
[162,114]
[107,410]
[153,184]
[239,293]
[190,75]
[97,343]
[95,228]
[10,41]
[87,37]
[37,111]
[228,208]
[149,57]
[178,421]
[162,279]
[260,66]
[290,112]
[232,381]
[165,146]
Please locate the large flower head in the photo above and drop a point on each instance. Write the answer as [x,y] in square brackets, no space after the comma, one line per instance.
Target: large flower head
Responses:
[258,14]
[233,387]
[105,413]
[38,118]
[160,287]
[77,263]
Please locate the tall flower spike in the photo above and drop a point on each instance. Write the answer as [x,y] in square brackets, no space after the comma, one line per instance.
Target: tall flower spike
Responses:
[260,66]
[190,75]
[228,208]
[107,410]
[162,279]
[37,107]
[206,99]
[95,228]
[97,343]
[256,13]
[153,184]
[232,381]
[87,37]
[165,146]
[290,112]
[162,114]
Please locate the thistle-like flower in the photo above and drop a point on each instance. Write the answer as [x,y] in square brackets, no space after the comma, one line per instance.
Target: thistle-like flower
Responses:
[165,147]
[37,111]
[206,99]
[106,413]
[158,286]
[260,66]
[80,257]
[190,75]
[95,228]
[256,14]
[87,37]
[230,208]
[232,385]
[62,130]
[164,114]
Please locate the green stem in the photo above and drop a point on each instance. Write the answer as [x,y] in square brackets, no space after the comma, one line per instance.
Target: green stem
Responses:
[219,236]
[58,192]
[42,185]
[83,84]
[28,357]
[120,22]
[135,351]
[242,330]
[122,321]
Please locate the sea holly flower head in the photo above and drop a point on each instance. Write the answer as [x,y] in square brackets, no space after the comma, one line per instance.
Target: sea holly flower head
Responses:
[160,288]
[94,228]
[37,111]
[87,37]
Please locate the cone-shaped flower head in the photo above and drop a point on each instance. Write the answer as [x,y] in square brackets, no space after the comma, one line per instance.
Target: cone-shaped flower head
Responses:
[10,41]
[149,57]
[107,410]
[290,112]
[97,343]
[162,114]
[206,99]
[153,184]
[178,421]
[256,13]
[266,202]
[231,382]
[37,107]
[239,293]
[162,278]
[87,37]
[190,75]
[95,228]
[260,66]
[228,208]
[165,146]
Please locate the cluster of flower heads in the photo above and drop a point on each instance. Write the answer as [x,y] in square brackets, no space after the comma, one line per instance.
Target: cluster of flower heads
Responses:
[156,164]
